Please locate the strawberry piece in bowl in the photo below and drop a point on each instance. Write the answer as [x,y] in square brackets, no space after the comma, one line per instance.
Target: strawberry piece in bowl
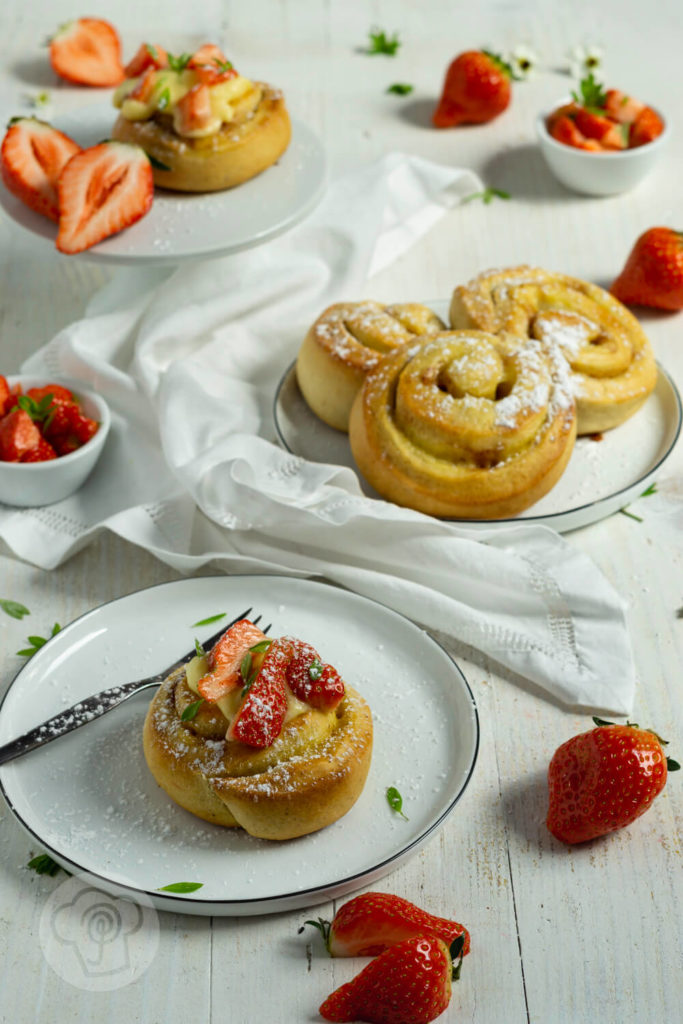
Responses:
[87,51]
[32,156]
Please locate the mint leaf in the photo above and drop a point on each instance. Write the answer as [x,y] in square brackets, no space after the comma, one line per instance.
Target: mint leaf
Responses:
[382,43]
[395,801]
[191,710]
[178,63]
[181,887]
[401,88]
[591,94]
[13,608]
[211,618]
[37,642]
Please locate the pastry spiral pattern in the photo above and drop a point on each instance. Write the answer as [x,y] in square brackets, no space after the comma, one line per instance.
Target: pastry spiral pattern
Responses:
[612,365]
[467,425]
[347,341]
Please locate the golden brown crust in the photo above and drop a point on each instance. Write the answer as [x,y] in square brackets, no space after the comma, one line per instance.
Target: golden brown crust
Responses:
[257,137]
[308,778]
[467,425]
[347,341]
[612,363]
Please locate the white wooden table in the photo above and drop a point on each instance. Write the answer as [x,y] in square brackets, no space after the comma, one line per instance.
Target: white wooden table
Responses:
[591,933]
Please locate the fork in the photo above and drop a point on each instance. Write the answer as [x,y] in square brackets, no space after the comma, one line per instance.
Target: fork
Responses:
[99,704]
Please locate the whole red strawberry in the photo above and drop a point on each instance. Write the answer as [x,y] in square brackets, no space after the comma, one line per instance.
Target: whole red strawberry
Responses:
[653,275]
[476,89]
[408,984]
[374,921]
[604,779]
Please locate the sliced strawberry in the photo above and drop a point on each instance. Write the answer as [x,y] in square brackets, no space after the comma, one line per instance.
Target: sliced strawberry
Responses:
[83,428]
[5,393]
[102,190]
[261,715]
[565,131]
[148,56]
[209,53]
[32,156]
[11,400]
[87,52]
[646,127]
[621,107]
[602,129]
[42,452]
[145,87]
[370,923]
[60,395]
[18,435]
[225,660]
[193,110]
[310,680]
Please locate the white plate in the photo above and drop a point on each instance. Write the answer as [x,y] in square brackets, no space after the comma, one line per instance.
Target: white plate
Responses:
[183,226]
[89,799]
[602,476]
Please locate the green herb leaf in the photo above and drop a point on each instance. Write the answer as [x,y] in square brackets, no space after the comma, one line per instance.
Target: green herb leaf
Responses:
[157,163]
[13,608]
[262,645]
[199,649]
[180,62]
[395,801]
[652,489]
[321,924]
[223,65]
[488,195]
[672,766]
[191,710]
[246,666]
[315,669]
[37,642]
[211,618]
[380,42]
[152,51]
[181,887]
[401,88]
[164,99]
[43,864]
[601,721]
[591,94]
[457,950]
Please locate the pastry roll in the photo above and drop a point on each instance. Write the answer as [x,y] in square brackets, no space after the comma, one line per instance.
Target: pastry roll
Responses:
[467,425]
[613,369]
[347,341]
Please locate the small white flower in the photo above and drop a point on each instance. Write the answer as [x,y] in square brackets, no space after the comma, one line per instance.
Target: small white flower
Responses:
[523,61]
[586,60]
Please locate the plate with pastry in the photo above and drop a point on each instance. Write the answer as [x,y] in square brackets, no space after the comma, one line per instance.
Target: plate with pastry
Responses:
[531,397]
[229,168]
[246,780]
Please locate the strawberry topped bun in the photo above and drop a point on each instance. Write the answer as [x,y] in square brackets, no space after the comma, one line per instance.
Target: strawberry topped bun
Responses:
[204,126]
[260,734]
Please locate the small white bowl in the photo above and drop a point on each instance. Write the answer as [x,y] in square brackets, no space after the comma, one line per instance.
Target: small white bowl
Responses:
[29,484]
[598,174]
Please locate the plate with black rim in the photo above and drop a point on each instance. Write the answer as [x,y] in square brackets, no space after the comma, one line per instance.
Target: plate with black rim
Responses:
[89,800]
[604,473]
[182,226]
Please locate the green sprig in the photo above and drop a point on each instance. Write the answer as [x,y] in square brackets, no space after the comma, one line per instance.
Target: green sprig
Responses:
[395,801]
[488,195]
[37,642]
[181,887]
[401,88]
[382,43]
[13,608]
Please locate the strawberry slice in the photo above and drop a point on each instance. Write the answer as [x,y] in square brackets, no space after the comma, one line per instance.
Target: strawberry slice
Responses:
[5,394]
[42,452]
[148,56]
[87,52]
[59,394]
[193,110]
[18,435]
[102,190]
[145,87]
[261,715]
[32,157]
[370,923]
[225,660]
[621,107]
[602,129]
[209,53]
[310,680]
[646,127]
[564,130]
[10,400]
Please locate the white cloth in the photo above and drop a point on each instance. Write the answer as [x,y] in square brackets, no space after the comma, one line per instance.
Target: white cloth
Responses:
[189,360]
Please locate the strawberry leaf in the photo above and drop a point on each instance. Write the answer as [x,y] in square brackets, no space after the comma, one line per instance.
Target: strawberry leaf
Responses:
[673,766]
[382,43]
[591,94]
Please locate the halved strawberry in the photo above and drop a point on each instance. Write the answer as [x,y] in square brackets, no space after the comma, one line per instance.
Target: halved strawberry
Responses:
[32,157]
[4,394]
[621,107]
[42,452]
[10,399]
[261,715]
[647,126]
[209,53]
[102,190]
[193,110]
[145,87]
[564,130]
[225,660]
[312,681]
[87,52]
[602,129]
[148,56]
[60,395]
[18,435]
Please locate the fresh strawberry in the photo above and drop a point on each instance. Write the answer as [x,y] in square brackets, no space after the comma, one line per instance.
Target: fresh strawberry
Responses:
[102,190]
[87,52]
[372,922]
[18,435]
[261,715]
[148,56]
[5,394]
[621,107]
[310,680]
[145,87]
[408,984]
[225,659]
[564,130]
[594,126]
[209,53]
[193,110]
[58,393]
[32,156]
[647,126]
[42,452]
[476,89]
[604,779]
[10,401]
[653,274]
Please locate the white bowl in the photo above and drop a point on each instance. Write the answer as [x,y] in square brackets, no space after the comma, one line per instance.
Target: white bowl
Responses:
[28,484]
[598,174]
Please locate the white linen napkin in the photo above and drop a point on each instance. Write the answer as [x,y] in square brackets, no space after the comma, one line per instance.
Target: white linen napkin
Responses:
[189,360]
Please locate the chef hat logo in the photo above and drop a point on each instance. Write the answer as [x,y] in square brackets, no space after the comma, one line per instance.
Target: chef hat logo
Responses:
[95,941]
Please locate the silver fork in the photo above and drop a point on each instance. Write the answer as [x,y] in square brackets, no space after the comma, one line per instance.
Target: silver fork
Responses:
[99,704]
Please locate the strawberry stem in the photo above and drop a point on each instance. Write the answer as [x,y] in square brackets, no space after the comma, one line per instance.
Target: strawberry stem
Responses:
[672,766]
[323,927]
[456,950]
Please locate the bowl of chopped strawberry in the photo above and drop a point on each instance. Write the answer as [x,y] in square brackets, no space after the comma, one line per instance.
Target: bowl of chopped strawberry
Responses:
[599,141]
[51,435]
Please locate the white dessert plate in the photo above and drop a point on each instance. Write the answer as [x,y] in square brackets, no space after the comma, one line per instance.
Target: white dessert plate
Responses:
[182,226]
[602,476]
[90,801]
